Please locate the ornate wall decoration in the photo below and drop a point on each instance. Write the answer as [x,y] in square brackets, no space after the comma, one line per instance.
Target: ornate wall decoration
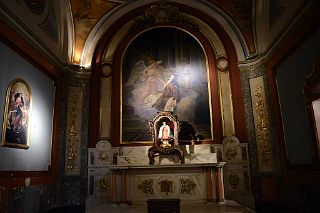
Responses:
[162,13]
[232,149]
[166,186]
[260,114]
[223,63]
[146,186]
[103,153]
[73,138]
[231,154]
[104,184]
[187,186]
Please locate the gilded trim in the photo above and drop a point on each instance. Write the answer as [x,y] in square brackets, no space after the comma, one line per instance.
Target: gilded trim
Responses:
[260,113]
[9,102]
[73,138]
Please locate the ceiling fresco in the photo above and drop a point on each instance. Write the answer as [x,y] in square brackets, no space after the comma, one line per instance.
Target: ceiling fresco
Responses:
[86,14]
[241,12]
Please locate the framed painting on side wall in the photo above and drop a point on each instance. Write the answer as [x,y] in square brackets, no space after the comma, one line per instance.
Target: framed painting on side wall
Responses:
[16,119]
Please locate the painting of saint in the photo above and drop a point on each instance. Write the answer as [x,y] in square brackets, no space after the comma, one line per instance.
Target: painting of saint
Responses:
[164,69]
[17,114]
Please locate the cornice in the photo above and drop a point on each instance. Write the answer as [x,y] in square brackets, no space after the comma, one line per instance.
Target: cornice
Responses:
[259,59]
[77,71]
[37,44]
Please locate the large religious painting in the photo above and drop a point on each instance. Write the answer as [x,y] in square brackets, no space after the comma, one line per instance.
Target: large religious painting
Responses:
[17,115]
[164,69]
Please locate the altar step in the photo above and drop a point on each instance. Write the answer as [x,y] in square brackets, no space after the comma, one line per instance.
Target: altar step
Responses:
[229,207]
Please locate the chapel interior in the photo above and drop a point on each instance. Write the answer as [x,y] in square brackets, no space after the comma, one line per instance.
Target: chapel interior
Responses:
[159,106]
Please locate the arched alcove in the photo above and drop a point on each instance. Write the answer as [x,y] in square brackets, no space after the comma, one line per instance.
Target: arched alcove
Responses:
[224,87]
[164,69]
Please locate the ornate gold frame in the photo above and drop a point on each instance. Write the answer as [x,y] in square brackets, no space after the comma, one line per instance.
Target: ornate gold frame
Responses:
[154,126]
[157,147]
[5,128]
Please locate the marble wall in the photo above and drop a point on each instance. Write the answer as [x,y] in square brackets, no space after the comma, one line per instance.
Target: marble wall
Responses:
[72,189]
[247,73]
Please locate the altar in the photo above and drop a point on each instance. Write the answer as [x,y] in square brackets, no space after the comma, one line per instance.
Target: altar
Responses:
[123,175]
[193,183]
[168,169]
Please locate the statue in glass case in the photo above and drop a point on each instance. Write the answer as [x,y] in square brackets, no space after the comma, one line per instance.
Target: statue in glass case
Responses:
[165,130]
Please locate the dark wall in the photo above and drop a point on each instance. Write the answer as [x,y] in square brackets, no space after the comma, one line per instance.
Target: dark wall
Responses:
[291,76]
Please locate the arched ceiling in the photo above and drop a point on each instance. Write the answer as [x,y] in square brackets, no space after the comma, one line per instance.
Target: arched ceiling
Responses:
[64,30]
[87,13]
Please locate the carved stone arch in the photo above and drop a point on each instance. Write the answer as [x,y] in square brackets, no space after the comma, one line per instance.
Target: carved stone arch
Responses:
[111,21]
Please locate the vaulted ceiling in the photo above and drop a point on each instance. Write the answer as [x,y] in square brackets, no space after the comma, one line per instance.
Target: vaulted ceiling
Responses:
[87,13]
[63,29]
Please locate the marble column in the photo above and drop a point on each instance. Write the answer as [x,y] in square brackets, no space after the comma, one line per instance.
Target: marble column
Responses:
[220,190]
[209,185]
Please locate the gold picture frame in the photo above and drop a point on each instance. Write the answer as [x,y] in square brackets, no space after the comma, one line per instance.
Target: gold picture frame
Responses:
[16,119]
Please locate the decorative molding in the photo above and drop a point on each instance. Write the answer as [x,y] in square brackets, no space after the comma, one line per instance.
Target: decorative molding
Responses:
[103,153]
[222,63]
[187,186]
[73,138]
[77,70]
[146,186]
[104,184]
[166,186]
[162,13]
[260,114]
[232,149]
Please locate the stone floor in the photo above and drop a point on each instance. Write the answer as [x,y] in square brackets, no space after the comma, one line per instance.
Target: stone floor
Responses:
[229,207]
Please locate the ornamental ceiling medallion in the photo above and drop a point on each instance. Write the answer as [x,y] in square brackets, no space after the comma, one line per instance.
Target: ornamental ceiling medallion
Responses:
[162,13]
